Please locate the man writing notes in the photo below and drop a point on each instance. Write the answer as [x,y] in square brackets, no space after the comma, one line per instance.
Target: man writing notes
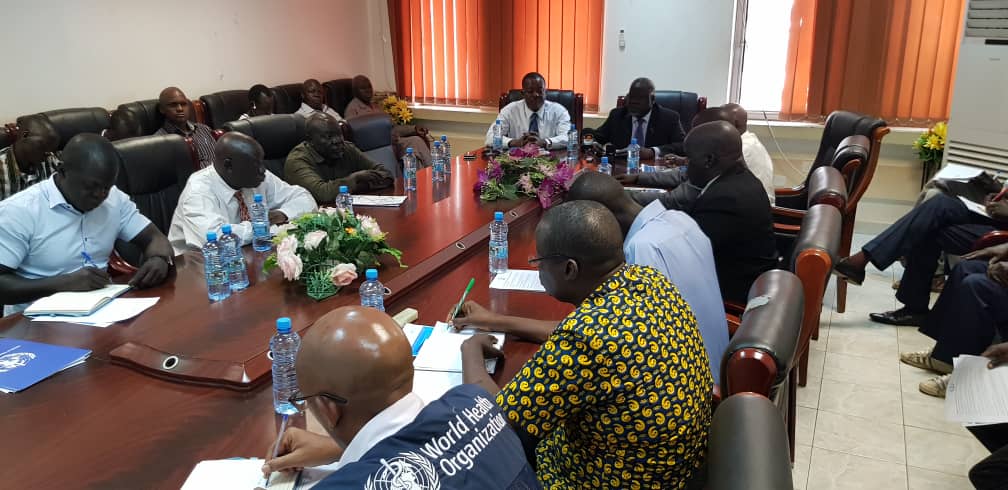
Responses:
[223,193]
[619,394]
[58,235]
[175,106]
[355,373]
[657,129]
[533,119]
[324,162]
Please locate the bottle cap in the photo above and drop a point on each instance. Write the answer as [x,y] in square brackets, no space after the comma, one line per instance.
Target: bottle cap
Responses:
[633,141]
[371,274]
[437,144]
[498,121]
[605,159]
[409,150]
[211,236]
[283,325]
[498,215]
[573,126]
[257,198]
[444,137]
[226,229]
[344,189]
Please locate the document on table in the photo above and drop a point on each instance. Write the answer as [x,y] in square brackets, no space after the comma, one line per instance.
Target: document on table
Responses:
[378,201]
[976,394]
[77,303]
[237,474]
[443,350]
[958,172]
[518,280]
[974,206]
[431,385]
[117,310]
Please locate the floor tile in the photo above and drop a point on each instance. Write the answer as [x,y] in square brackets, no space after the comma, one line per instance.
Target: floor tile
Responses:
[831,470]
[881,404]
[940,451]
[800,470]
[928,412]
[910,378]
[922,479]
[860,436]
[862,370]
[806,425]
[911,340]
[864,341]
[816,360]
[808,395]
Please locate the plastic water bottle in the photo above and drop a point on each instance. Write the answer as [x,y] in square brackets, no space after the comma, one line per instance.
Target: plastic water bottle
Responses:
[604,166]
[572,145]
[446,154]
[344,200]
[409,164]
[217,283]
[284,348]
[372,292]
[437,163]
[633,157]
[498,244]
[260,225]
[234,259]
[498,136]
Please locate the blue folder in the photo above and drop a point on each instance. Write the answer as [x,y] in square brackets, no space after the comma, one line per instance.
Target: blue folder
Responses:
[24,363]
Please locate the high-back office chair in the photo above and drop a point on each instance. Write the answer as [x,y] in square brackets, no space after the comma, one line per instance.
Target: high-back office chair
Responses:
[372,134]
[278,134]
[287,98]
[338,94]
[73,121]
[150,119]
[687,104]
[574,103]
[748,446]
[223,107]
[826,185]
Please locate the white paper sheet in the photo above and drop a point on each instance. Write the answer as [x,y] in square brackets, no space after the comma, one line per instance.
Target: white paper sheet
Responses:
[975,207]
[954,171]
[431,385]
[518,280]
[236,474]
[443,349]
[378,201]
[976,394]
[119,309]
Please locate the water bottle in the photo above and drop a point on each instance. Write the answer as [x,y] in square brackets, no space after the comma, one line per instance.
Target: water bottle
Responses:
[437,163]
[372,292]
[572,145]
[446,154]
[633,157]
[498,136]
[409,164]
[284,348]
[260,225]
[344,200]
[233,259]
[498,244]
[217,284]
[604,166]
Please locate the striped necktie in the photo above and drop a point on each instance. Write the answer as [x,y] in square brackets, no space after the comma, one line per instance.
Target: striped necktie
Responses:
[534,123]
[243,210]
[639,130]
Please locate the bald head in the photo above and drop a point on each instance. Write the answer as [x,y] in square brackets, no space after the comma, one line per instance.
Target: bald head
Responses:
[640,97]
[238,159]
[580,243]
[711,149]
[324,134]
[605,190]
[738,116]
[174,105]
[711,114]
[89,170]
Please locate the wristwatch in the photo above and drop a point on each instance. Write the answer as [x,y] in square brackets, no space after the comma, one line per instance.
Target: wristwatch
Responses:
[168,260]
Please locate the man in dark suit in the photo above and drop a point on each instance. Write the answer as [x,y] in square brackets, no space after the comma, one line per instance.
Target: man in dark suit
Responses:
[657,129]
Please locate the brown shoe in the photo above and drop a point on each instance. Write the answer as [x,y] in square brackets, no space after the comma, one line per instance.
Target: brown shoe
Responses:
[923,360]
[935,386]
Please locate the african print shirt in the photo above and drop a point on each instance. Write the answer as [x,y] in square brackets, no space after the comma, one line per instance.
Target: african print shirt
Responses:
[13,180]
[620,392]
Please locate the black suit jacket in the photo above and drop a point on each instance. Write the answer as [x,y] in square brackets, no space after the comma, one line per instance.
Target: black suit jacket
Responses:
[664,130]
[735,215]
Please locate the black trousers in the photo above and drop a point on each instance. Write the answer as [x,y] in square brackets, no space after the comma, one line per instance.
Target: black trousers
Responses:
[969,311]
[939,224]
[991,473]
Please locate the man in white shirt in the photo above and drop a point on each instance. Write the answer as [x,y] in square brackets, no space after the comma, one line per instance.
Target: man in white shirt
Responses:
[755,154]
[223,193]
[311,101]
[533,119]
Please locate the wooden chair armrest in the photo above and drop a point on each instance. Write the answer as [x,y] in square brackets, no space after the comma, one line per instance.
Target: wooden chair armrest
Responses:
[797,214]
[789,191]
[786,229]
[119,266]
[996,237]
[733,313]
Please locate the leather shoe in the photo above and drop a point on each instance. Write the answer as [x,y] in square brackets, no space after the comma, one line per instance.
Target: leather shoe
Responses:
[900,317]
[848,272]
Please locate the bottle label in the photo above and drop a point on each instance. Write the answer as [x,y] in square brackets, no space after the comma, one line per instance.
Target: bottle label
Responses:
[260,229]
[499,251]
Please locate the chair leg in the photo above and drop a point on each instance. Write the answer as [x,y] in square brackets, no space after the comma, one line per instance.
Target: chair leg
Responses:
[803,368]
[846,238]
[792,411]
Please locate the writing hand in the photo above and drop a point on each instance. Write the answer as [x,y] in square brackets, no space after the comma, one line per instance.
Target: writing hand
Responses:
[151,273]
[299,449]
[998,210]
[85,279]
[472,315]
[481,346]
[277,217]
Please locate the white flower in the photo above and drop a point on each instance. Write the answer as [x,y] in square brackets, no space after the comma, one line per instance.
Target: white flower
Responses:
[343,274]
[287,258]
[330,211]
[370,227]
[313,239]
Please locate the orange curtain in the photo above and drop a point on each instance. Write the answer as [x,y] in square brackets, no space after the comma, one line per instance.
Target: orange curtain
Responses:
[468,52]
[891,58]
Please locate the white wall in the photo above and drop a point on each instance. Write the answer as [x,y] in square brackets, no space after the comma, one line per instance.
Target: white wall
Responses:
[679,44]
[104,52]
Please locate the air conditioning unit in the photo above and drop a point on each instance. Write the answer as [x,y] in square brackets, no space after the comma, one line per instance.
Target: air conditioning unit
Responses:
[978,124]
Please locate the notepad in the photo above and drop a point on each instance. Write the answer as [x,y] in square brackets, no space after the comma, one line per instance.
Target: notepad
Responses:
[976,394]
[975,207]
[24,363]
[378,201]
[442,351]
[76,303]
[117,310]
[518,280]
[238,474]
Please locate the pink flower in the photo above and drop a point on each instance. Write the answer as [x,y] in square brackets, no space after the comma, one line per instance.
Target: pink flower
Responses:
[287,258]
[313,239]
[525,184]
[370,227]
[547,169]
[343,274]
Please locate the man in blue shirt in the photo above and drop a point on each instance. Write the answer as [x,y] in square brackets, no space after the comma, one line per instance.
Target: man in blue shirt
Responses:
[58,235]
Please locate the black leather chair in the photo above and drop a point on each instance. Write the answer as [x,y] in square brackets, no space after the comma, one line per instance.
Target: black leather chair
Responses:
[574,103]
[372,133]
[277,133]
[224,107]
[748,446]
[287,98]
[687,104]
[339,93]
[825,186]
[71,122]
[147,114]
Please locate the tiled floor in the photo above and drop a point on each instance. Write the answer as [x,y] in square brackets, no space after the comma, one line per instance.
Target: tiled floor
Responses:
[862,423]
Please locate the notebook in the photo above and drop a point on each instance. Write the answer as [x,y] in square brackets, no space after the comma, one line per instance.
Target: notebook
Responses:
[442,351]
[76,303]
[24,363]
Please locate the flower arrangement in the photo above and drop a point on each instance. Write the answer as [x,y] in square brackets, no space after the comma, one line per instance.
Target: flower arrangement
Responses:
[524,172]
[326,249]
[397,108]
[931,144]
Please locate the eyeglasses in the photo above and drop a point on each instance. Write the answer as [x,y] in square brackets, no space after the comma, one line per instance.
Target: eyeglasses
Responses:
[536,260]
[300,397]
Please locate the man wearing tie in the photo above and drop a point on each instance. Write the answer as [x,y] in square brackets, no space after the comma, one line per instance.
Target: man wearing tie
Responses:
[657,129]
[533,119]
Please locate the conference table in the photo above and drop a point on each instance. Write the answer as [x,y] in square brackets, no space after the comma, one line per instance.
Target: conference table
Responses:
[188,380]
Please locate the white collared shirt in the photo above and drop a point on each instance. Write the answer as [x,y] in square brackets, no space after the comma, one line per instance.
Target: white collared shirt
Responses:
[386,423]
[207,203]
[306,110]
[554,123]
[759,162]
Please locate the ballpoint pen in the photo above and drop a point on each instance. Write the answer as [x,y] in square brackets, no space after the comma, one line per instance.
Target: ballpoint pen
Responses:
[458,307]
[276,446]
[87,260]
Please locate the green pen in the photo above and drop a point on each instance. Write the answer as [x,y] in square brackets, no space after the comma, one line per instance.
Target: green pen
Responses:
[458,307]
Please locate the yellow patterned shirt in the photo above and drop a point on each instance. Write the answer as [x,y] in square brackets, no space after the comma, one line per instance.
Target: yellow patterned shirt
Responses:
[620,393]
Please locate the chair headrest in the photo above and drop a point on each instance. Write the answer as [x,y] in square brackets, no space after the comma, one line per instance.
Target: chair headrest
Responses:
[685,103]
[339,93]
[820,230]
[278,134]
[748,446]
[841,124]
[562,97]
[226,106]
[287,98]
[150,164]
[74,121]
[371,131]
[827,186]
[147,114]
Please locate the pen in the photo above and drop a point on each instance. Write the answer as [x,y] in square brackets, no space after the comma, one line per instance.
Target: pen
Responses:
[88,260]
[458,307]
[276,445]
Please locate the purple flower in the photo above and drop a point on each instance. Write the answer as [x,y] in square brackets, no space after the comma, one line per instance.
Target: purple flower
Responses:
[496,170]
[481,181]
[530,150]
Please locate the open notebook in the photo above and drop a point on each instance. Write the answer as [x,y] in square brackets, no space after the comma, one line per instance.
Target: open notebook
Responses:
[76,303]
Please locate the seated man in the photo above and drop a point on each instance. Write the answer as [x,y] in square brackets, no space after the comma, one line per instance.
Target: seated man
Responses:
[355,372]
[324,162]
[402,136]
[942,223]
[175,107]
[619,395]
[533,119]
[755,154]
[311,101]
[260,102]
[58,235]
[31,158]
[223,194]
[657,129]
[122,124]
